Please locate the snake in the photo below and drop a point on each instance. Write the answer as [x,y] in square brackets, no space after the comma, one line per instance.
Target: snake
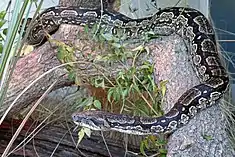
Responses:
[190,24]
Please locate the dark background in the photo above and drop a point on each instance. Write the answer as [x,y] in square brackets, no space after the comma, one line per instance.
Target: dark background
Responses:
[223,16]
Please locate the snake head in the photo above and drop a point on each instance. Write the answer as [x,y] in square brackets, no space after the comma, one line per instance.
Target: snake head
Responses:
[93,120]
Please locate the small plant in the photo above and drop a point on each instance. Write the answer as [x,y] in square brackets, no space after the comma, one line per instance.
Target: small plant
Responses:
[65,55]
[132,91]
[153,144]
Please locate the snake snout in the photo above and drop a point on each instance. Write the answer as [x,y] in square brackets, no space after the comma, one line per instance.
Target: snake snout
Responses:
[90,121]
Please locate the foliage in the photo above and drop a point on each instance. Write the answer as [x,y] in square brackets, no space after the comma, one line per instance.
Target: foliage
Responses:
[153,144]
[3,31]
[65,55]
[132,91]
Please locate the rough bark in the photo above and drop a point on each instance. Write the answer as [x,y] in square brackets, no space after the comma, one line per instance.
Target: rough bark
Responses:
[205,134]
[28,69]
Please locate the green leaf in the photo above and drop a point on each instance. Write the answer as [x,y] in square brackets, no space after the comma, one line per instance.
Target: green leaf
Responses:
[60,54]
[2,22]
[86,29]
[207,137]
[163,151]
[139,48]
[5,31]
[2,14]
[128,54]
[145,66]
[87,132]
[71,75]
[87,102]
[1,37]
[150,35]
[110,93]
[162,155]
[1,48]
[117,94]
[146,144]
[81,134]
[116,45]
[152,138]
[136,88]
[147,50]
[98,58]
[99,82]
[84,131]
[108,36]
[142,146]
[125,93]
[163,87]
[93,29]
[97,104]
[161,142]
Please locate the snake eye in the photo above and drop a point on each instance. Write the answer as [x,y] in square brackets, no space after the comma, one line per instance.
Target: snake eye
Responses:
[74,117]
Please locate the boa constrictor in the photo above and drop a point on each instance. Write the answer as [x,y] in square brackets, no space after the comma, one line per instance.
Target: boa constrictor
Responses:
[188,23]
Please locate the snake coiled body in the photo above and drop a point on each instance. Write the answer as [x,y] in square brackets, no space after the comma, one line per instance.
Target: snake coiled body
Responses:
[188,23]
